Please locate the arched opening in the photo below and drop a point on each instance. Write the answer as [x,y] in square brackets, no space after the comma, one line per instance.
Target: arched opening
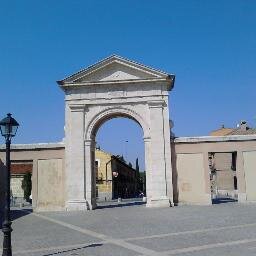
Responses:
[118,165]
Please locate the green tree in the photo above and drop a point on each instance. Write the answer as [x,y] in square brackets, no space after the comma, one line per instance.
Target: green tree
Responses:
[27,185]
[137,175]
[137,168]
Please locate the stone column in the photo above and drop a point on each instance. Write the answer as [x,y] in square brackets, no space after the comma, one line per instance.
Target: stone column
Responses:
[74,174]
[148,167]
[90,176]
[160,157]
[241,185]
[167,152]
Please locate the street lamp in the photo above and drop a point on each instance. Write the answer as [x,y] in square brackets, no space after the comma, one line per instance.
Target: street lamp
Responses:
[8,128]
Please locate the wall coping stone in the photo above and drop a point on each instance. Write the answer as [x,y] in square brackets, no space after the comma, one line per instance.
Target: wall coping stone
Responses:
[199,139]
[215,139]
[55,145]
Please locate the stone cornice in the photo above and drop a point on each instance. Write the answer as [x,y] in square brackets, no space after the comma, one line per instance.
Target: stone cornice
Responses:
[70,85]
[156,103]
[77,107]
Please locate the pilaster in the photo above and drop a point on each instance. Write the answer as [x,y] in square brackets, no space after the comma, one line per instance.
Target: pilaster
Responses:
[147,143]
[90,177]
[75,160]
[160,179]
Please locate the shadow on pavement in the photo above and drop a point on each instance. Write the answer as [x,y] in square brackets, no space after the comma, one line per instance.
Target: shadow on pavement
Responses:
[223,200]
[73,250]
[119,205]
[15,214]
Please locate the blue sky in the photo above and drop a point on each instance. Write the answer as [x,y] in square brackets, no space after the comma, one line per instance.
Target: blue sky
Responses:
[209,45]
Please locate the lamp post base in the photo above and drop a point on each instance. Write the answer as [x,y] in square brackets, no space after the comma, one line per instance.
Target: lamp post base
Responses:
[7,246]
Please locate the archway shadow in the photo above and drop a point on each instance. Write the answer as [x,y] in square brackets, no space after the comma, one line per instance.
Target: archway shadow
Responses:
[15,214]
[72,250]
[223,200]
[119,205]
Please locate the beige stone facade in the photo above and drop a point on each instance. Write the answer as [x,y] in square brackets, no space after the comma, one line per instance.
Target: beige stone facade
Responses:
[103,171]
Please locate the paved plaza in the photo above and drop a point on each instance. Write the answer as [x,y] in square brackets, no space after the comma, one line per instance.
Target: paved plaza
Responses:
[132,229]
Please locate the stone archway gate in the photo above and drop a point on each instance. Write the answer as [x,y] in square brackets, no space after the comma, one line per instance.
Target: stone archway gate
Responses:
[116,87]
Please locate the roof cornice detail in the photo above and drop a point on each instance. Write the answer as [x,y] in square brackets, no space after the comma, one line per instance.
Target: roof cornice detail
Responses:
[157,75]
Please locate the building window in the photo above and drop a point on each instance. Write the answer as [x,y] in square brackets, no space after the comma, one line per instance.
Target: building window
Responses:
[233,164]
[97,163]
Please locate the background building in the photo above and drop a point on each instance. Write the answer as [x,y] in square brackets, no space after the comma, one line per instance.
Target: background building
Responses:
[241,129]
[114,178]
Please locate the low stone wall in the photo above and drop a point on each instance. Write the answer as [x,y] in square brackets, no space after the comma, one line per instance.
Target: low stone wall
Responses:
[191,168]
[46,161]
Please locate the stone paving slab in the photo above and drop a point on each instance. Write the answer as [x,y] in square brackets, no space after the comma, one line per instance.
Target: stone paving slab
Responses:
[197,239]
[234,250]
[227,229]
[141,221]
[30,232]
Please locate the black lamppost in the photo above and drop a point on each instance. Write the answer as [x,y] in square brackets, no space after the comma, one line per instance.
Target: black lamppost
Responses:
[8,127]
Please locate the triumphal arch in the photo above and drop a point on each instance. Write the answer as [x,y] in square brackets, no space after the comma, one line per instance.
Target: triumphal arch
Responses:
[116,87]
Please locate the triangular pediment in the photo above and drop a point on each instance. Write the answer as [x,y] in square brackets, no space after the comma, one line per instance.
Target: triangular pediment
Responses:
[114,68]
